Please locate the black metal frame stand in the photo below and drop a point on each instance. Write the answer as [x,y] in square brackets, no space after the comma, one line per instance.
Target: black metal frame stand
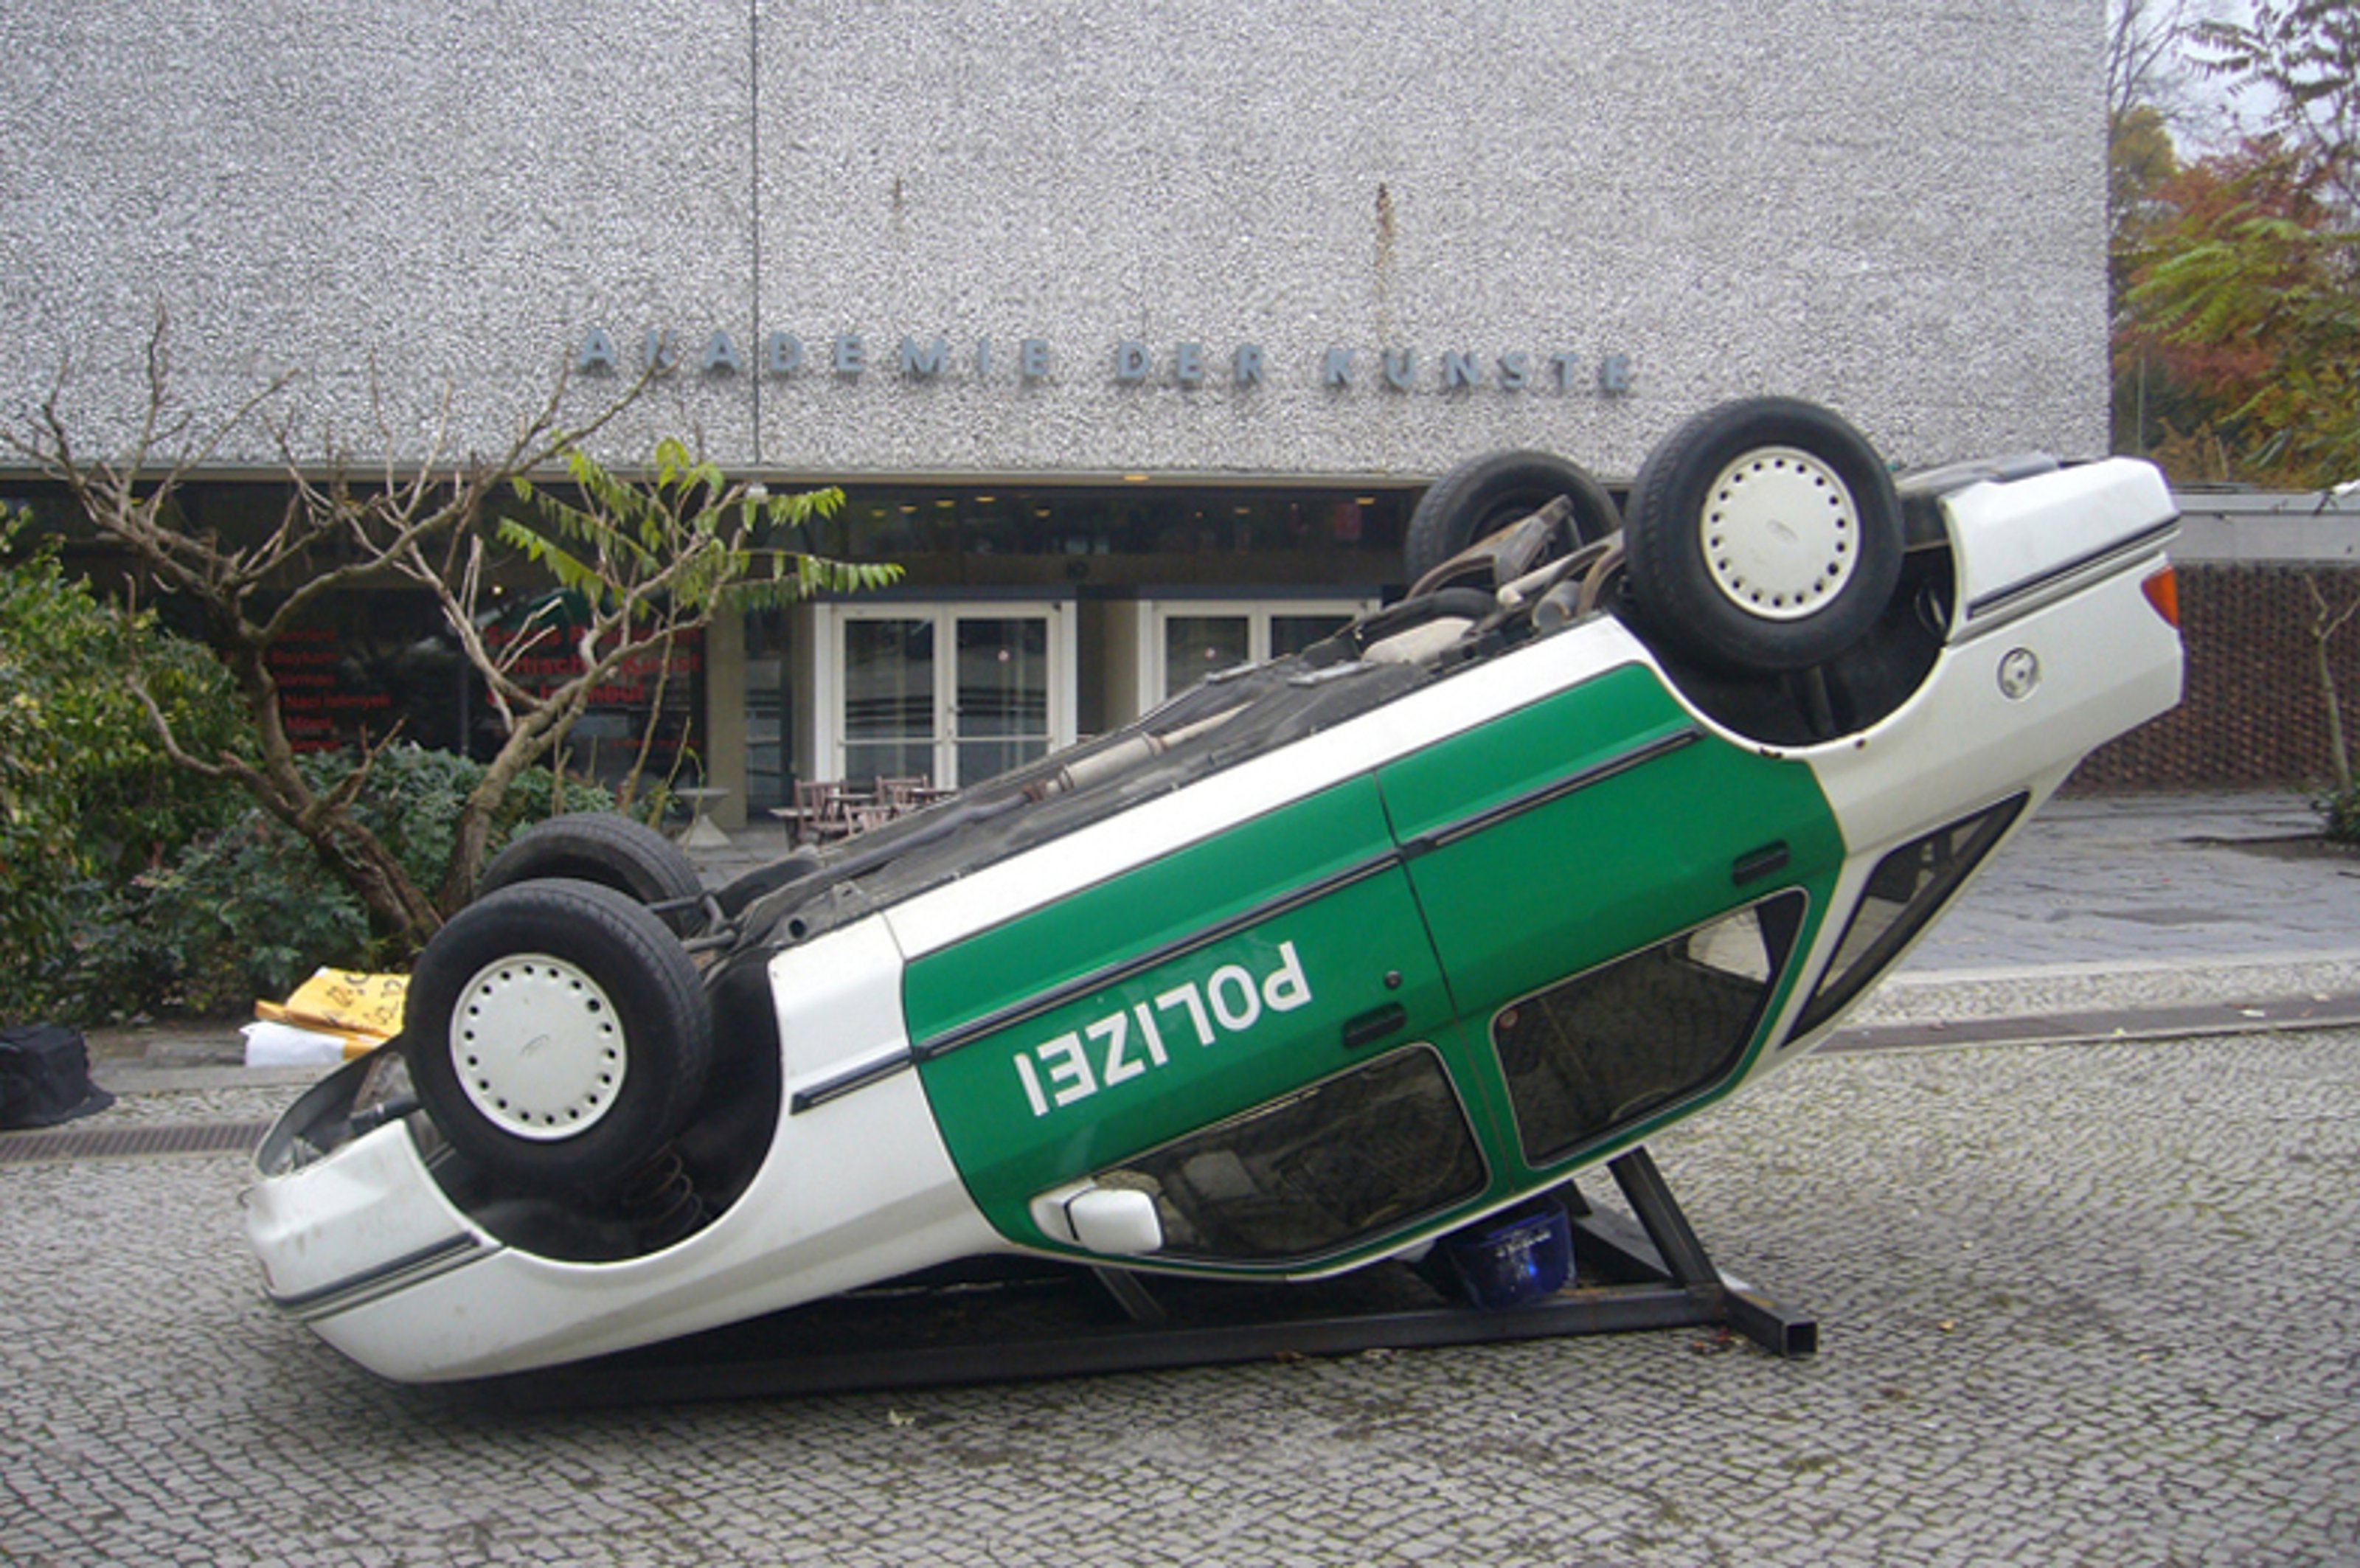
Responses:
[1653,1275]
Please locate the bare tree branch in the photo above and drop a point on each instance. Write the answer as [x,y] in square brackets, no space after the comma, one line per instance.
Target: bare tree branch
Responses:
[2326,621]
[647,560]
[2142,42]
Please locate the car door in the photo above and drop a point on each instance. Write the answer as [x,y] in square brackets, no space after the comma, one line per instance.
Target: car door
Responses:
[1245,1029]
[1614,893]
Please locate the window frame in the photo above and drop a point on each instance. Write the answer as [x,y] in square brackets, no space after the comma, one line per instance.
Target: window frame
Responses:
[1113,1174]
[1781,939]
[1154,687]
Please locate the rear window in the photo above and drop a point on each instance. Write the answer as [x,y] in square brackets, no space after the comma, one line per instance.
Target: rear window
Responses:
[1908,887]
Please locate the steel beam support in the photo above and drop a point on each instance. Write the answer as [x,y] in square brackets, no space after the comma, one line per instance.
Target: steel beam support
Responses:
[1656,1276]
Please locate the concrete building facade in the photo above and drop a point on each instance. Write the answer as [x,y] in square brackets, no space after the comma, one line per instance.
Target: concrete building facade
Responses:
[1131,331]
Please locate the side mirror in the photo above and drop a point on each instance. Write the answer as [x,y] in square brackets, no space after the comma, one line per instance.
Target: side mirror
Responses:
[1115,1221]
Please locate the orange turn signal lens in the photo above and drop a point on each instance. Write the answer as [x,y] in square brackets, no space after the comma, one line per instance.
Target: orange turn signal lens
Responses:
[2163,592]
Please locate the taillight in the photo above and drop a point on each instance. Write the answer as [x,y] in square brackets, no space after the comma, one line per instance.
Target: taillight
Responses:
[2162,590]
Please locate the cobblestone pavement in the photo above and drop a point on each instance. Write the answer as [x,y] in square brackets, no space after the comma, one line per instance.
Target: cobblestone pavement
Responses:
[2165,880]
[2079,1305]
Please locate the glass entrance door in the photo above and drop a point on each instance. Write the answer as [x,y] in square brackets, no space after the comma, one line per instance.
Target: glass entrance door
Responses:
[952,694]
[999,715]
[890,701]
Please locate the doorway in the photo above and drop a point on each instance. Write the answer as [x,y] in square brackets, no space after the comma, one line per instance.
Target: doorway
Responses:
[949,693]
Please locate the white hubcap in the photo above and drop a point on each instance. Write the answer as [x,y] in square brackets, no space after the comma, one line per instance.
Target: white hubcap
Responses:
[1781,534]
[538,1048]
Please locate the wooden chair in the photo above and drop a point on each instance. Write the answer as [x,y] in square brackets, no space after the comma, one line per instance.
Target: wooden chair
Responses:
[818,814]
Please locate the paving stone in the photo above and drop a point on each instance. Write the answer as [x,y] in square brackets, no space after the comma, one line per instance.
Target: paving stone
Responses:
[2078,1304]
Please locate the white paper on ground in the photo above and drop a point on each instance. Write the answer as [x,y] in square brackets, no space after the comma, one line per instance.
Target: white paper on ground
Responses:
[284,1045]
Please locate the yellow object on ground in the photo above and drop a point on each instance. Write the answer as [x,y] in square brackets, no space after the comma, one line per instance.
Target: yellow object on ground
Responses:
[362,1010]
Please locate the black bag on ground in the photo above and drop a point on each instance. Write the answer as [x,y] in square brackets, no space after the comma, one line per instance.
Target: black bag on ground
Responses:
[45,1076]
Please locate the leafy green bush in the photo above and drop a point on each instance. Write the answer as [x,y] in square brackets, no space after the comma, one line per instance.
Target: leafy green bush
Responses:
[248,911]
[136,807]
[86,791]
[2340,812]
[129,883]
[243,913]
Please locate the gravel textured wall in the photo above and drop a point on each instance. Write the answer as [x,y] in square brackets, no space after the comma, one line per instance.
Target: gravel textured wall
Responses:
[1893,207]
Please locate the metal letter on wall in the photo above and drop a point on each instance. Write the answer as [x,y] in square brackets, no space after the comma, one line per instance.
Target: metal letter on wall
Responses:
[924,362]
[782,355]
[597,355]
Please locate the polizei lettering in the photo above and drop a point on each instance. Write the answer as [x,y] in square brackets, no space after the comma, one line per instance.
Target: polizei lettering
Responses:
[1134,1042]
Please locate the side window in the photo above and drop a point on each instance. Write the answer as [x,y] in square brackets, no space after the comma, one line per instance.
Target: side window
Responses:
[1344,1159]
[1606,1049]
[1906,889]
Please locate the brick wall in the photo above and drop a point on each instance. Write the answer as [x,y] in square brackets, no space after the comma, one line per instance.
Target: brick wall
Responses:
[2252,716]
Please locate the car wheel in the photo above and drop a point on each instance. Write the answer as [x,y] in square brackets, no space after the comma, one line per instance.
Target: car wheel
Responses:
[1486,494]
[557,1034]
[762,881]
[1764,535]
[609,850]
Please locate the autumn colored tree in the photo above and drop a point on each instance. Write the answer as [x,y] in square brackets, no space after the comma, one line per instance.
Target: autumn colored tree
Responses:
[2144,78]
[2237,333]
[2239,347]
[2140,159]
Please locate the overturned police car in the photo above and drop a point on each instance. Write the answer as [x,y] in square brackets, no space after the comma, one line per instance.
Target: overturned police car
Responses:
[1323,960]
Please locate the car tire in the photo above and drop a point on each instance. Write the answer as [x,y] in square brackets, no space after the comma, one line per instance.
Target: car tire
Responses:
[607,848]
[1485,494]
[558,1035]
[734,897]
[1764,535]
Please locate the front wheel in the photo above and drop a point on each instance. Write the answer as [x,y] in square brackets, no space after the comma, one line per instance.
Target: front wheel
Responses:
[1764,535]
[557,1034]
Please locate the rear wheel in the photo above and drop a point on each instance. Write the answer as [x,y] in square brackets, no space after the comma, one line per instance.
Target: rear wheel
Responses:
[609,850]
[734,897]
[557,1034]
[1486,494]
[1764,535]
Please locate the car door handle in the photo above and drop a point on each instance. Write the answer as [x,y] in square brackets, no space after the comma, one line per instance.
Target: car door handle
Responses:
[1375,1025]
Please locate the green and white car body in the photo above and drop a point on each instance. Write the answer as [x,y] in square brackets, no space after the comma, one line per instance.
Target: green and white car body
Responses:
[1303,1007]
